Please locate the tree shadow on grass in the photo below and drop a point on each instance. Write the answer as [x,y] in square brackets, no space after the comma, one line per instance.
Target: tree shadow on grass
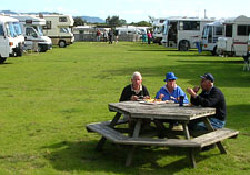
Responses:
[82,155]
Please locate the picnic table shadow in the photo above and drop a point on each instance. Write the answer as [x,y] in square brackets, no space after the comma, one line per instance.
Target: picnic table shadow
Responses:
[82,155]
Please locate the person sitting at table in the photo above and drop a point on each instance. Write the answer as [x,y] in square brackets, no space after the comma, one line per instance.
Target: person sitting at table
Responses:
[135,90]
[210,96]
[171,91]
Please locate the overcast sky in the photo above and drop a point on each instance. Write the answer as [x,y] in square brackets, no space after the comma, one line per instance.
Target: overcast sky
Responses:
[132,10]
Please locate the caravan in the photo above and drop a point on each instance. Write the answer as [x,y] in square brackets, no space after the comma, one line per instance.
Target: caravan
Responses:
[12,34]
[32,32]
[234,41]
[4,39]
[58,28]
[157,25]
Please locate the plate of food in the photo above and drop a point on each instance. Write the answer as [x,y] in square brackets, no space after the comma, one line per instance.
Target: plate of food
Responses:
[153,102]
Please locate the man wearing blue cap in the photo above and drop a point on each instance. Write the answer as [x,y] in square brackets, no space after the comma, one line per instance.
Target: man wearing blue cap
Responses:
[171,91]
[210,96]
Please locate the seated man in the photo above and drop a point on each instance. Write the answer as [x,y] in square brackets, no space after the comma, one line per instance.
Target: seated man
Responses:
[210,96]
[171,91]
[135,90]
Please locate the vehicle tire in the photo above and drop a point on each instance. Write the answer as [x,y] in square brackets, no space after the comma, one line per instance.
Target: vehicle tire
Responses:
[184,46]
[2,60]
[62,44]
[214,51]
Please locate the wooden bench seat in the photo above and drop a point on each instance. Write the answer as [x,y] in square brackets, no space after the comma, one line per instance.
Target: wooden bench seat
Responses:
[199,142]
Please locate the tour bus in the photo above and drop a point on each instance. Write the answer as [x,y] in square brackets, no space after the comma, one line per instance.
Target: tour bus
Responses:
[157,26]
[13,33]
[182,32]
[58,28]
[210,34]
[234,41]
[4,39]
[32,32]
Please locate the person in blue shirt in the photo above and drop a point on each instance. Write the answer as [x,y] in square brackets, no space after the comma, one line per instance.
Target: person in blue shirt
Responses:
[171,91]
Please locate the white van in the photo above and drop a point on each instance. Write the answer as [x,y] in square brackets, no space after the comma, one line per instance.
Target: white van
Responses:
[12,33]
[32,32]
[58,28]
[4,40]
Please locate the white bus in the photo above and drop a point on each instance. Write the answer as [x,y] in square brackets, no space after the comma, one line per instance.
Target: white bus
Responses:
[157,27]
[182,33]
[4,39]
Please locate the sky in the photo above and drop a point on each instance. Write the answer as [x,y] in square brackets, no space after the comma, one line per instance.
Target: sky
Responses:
[132,10]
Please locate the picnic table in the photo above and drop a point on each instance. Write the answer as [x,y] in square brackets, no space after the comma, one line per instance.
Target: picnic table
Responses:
[139,112]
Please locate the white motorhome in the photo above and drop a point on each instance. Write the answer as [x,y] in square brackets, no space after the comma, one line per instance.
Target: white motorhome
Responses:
[32,32]
[14,34]
[58,28]
[210,34]
[128,30]
[157,25]
[4,39]
[235,37]
[182,32]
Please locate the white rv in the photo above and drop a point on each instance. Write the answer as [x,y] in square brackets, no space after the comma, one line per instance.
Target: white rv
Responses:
[13,33]
[210,34]
[157,25]
[58,28]
[235,37]
[129,30]
[182,32]
[32,32]
[4,39]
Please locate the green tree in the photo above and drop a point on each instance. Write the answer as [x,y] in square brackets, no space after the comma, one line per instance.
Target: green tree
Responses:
[78,21]
[114,21]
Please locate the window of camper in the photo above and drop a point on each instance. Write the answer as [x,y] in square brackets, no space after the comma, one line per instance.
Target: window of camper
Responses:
[31,32]
[242,30]
[1,30]
[17,28]
[218,30]
[63,19]
[229,30]
[48,25]
[64,30]
[12,31]
[191,25]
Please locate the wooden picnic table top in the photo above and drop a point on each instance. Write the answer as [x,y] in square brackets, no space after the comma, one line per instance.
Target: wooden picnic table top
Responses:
[139,110]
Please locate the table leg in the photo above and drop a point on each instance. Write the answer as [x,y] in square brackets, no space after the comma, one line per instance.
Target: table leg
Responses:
[191,151]
[112,124]
[210,128]
[136,133]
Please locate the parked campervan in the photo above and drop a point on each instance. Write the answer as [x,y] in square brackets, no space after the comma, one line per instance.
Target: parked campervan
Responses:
[157,25]
[58,28]
[32,32]
[182,32]
[12,32]
[235,37]
[129,30]
[4,39]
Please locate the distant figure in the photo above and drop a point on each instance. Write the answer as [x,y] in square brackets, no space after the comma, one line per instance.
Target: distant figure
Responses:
[105,36]
[149,37]
[116,33]
[110,34]
[98,35]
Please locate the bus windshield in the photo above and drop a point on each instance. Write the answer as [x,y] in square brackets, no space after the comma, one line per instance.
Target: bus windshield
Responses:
[39,30]
[11,32]
[17,28]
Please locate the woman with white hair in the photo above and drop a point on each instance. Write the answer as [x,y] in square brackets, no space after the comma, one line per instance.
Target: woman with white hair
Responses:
[135,90]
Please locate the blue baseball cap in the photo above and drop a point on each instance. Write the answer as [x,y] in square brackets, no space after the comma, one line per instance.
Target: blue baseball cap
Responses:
[170,75]
[208,76]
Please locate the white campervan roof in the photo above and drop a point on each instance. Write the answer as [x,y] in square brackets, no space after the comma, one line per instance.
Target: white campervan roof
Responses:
[30,19]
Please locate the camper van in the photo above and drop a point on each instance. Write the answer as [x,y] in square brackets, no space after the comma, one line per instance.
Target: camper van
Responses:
[210,34]
[234,41]
[129,30]
[12,33]
[182,33]
[157,25]
[4,39]
[58,28]
[32,32]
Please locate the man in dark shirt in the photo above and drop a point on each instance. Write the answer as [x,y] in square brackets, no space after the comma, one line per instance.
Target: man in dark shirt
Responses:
[135,90]
[210,96]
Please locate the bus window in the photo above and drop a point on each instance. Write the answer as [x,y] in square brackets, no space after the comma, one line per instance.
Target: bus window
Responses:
[1,30]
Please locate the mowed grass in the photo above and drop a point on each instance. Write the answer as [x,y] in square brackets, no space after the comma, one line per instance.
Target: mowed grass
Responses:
[47,99]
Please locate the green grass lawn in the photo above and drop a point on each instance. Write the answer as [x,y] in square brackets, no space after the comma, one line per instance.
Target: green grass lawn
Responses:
[47,100]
